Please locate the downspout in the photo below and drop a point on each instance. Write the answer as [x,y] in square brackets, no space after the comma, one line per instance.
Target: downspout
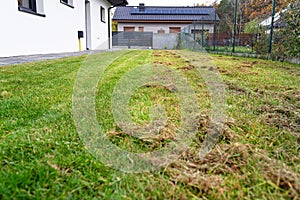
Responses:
[109,24]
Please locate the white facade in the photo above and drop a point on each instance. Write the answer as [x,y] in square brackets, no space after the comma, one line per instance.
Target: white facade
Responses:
[155,27]
[54,28]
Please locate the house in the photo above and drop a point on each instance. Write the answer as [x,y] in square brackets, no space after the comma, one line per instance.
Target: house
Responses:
[137,23]
[278,23]
[53,26]
[165,20]
[278,19]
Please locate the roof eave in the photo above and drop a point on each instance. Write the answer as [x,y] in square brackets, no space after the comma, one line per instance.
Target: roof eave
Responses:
[118,2]
[159,21]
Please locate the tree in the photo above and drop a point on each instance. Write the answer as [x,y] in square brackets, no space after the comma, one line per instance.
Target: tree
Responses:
[225,12]
[290,31]
[261,9]
[254,27]
[248,10]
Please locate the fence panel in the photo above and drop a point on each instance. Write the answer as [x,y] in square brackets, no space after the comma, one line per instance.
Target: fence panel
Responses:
[132,39]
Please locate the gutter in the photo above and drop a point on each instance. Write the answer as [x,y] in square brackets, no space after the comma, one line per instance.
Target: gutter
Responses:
[124,3]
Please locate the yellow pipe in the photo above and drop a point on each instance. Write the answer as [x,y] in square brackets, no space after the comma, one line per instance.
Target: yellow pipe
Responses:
[79,41]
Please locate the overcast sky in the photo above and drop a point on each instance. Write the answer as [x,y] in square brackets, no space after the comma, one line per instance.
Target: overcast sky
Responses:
[168,2]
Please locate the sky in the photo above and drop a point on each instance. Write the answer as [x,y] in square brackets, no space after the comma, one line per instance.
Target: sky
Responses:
[168,2]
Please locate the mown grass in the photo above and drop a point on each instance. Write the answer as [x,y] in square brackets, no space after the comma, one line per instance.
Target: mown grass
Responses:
[238,49]
[42,156]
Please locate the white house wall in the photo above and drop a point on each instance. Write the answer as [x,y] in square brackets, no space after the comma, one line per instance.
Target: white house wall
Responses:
[99,35]
[154,27]
[24,33]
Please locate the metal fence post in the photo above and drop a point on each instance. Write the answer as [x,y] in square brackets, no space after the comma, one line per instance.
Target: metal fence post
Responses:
[194,35]
[234,31]
[202,36]
[194,30]
[215,31]
[252,42]
[272,27]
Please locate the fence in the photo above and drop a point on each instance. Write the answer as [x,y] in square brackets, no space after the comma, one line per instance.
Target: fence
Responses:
[132,39]
[208,41]
[196,36]
[164,41]
[215,41]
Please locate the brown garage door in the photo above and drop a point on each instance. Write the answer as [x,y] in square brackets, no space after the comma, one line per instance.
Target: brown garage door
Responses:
[128,28]
[174,29]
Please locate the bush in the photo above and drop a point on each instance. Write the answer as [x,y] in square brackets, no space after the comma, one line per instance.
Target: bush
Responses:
[262,44]
[289,33]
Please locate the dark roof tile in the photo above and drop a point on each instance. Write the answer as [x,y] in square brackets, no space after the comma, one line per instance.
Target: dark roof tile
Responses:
[118,2]
[156,13]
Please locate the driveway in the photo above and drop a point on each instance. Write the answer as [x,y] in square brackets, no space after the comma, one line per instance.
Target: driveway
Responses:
[4,61]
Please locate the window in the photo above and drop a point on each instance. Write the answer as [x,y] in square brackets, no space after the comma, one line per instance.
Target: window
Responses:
[28,4]
[198,31]
[102,14]
[67,3]
[141,29]
[31,6]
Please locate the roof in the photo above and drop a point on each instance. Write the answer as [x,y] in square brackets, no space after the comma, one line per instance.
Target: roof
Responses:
[277,20]
[118,2]
[267,22]
[165,13]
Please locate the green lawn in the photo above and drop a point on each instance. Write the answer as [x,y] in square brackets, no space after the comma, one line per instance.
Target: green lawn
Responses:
[238,49]
[257,156]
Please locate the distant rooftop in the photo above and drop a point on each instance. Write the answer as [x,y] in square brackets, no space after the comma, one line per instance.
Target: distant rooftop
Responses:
[170,11]
[164,13]
[118,2]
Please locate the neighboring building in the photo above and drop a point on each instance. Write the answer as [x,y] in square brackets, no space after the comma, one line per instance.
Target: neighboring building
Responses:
[278,23]
[52,26]
[165,20]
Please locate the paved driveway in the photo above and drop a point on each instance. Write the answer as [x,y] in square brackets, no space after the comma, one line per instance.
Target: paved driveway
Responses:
[33,58]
